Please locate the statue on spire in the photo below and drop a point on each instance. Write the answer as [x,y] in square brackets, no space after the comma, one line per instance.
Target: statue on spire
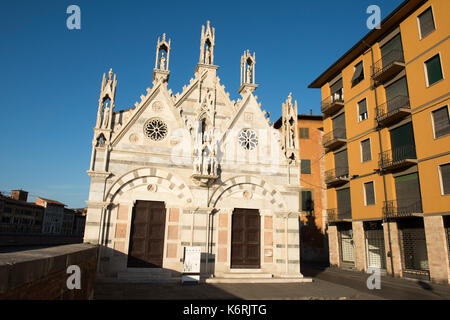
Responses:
[107,96]
[248,62]
[161,71]
[207,44]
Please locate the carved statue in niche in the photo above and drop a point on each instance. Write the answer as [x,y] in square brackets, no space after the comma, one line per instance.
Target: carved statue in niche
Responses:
[249,74]
[207,54]
[162,62]
[105,117]
[197,161]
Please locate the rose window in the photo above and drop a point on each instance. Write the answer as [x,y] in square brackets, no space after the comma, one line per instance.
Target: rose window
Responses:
[155,129]
[248,139]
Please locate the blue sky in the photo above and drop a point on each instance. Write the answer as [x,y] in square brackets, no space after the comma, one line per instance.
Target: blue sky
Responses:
[50,76]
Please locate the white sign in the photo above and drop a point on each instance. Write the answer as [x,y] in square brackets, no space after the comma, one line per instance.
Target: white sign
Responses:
[191,265]
[192,257]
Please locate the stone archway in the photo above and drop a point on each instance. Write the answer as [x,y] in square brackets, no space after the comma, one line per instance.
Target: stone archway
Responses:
[257,185]
[139,177]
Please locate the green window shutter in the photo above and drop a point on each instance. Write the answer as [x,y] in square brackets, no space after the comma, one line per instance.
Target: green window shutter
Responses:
[335,87]
[398,89]
[434,70]
[370,193]
[341,163]
[441,122]
[407,190]
[344,202]
[445,175]
[365,147]
[339,126]
[402,142]
[307,201]
[305,166]
[392,51]
[304,133]
[358,75]
[426,22]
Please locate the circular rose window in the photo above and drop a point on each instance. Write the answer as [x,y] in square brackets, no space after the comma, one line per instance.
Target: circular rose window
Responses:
[248,139]
[155,129]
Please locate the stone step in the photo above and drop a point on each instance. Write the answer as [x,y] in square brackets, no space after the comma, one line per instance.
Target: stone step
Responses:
[144,276]
[258,280]
[259,275]
[245,271]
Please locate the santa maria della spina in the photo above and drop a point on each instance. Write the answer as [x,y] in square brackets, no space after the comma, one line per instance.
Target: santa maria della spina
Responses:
[194,169]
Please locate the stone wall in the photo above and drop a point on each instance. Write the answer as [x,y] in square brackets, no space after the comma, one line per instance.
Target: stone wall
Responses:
[42,274]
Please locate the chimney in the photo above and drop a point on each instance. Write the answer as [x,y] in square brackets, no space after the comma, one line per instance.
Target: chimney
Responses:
[19,195]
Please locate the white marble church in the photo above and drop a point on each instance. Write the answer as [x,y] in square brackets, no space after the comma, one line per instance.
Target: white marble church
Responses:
[194,169]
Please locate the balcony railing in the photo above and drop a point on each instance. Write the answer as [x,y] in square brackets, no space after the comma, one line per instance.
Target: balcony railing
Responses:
[334,214]
[397,158]
[335,138]
[19,228]
[388,66]
[336,176]
[393,110]
[402,208]
[333,103]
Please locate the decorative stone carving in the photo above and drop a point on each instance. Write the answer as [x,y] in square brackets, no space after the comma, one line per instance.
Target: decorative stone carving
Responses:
[248,139]
[133,138]
[155,129]
[157,106]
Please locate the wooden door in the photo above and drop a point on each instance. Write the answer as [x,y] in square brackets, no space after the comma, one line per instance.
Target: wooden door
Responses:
[147,235]
[245,239]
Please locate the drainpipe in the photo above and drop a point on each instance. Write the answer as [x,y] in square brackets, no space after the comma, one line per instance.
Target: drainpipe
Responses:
[384,177]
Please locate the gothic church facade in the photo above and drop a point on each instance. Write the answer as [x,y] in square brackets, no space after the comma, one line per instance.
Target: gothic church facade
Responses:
[194,169]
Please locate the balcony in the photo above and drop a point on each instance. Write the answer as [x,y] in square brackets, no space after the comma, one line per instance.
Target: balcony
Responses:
[388,66]
[398,158]
[334,139]
[393,110]
[336,176]
[333,103]
[402,208]
[335,215]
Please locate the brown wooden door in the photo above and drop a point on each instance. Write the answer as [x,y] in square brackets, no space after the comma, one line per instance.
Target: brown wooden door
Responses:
[147,235]
[245,238]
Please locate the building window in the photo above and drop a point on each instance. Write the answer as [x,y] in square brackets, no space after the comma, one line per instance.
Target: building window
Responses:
[369,193]
[305,166]
[155,129]
[441,122]
[444,171]
[304,133]
[307,200]
[366,154]
[433,70]
[362,110]
[337,91]
[358,75]
[248,139]
[426,23]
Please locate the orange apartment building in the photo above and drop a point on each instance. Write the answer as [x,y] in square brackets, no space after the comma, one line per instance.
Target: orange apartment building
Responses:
[314,242]
[387,137]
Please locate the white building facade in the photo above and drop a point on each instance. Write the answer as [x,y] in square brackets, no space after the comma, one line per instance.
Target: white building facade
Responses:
[194,169]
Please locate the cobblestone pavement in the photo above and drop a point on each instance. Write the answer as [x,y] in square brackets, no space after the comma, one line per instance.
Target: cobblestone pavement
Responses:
[391,288]
[316,290]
